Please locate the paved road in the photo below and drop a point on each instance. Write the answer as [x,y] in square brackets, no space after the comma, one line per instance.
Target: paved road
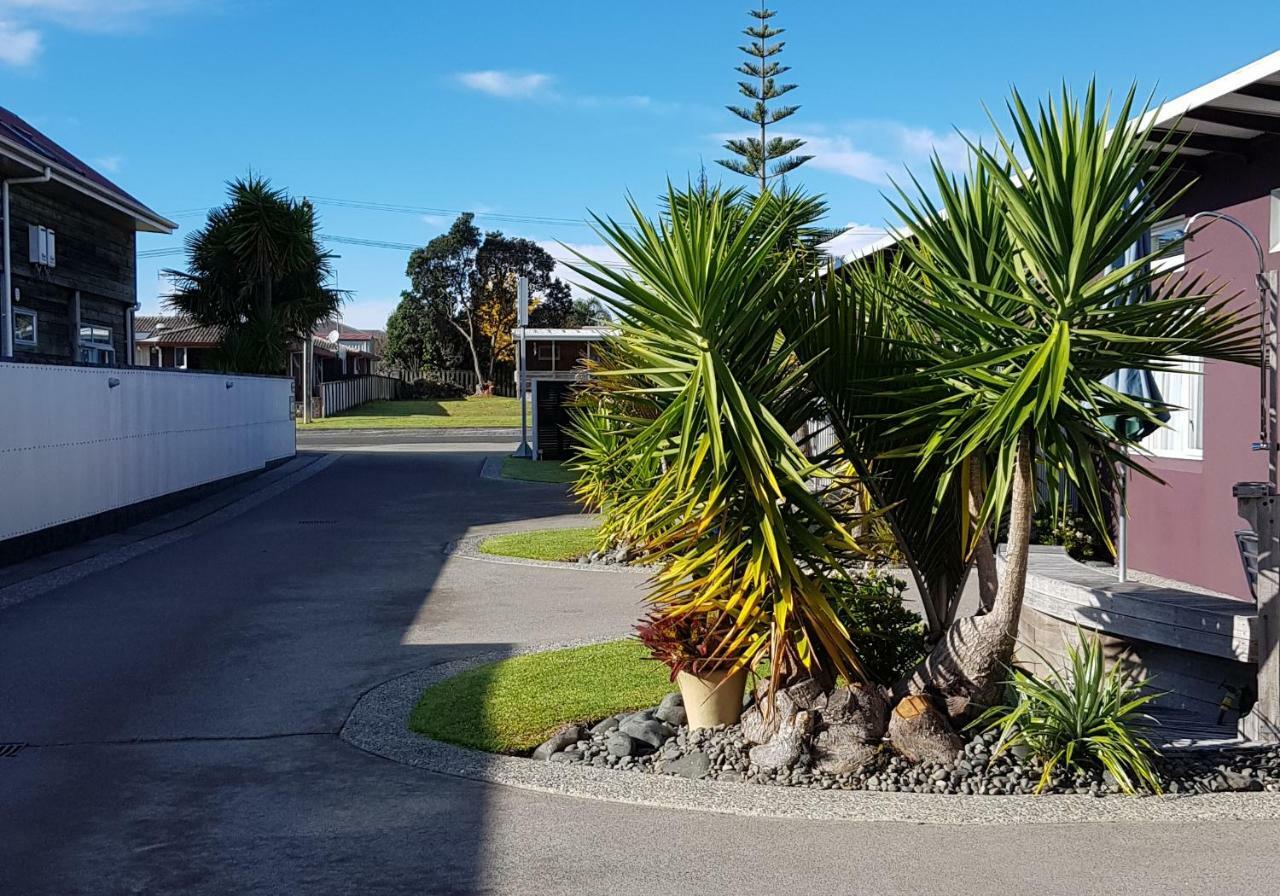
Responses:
[182,710]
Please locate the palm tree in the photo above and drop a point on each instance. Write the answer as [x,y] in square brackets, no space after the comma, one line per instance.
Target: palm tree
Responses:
[256,269]
[984,353]
[697,450]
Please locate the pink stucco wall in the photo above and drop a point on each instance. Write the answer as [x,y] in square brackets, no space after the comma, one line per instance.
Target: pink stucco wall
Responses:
[1184,529]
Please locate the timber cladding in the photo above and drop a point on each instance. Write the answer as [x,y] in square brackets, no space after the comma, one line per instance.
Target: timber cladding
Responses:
[96,255]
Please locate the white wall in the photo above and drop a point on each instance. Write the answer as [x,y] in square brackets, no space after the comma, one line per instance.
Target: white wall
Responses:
[72,446]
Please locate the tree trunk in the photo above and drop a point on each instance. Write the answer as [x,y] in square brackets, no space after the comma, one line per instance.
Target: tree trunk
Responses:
[984,554]
[475,356]
[967,668]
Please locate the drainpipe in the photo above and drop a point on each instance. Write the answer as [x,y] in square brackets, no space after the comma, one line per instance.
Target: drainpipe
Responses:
[6,300]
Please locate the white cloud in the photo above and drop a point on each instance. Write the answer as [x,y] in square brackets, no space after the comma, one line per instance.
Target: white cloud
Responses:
[22,21]
[508,85]
[92,15]
[564,255]
[878,151]
[539,86]
[110,164]
[19,46]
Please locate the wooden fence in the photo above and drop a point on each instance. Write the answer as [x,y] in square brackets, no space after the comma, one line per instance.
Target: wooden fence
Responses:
[340,395]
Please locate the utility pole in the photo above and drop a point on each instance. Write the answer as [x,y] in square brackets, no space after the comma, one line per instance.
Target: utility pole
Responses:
[522,320]
[307,351]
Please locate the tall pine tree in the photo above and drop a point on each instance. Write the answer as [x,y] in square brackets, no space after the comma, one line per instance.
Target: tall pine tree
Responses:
[763,157]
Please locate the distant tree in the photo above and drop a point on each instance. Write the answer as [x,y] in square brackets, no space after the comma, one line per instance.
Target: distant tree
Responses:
[472,284]
[763,157]
[257,270]
[559,308]
[406,347]
[440,276]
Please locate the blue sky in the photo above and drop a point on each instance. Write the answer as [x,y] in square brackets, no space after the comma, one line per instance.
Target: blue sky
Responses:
[548,109]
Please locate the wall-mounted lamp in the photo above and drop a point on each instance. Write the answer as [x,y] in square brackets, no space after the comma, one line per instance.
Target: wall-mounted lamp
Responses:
[112,382]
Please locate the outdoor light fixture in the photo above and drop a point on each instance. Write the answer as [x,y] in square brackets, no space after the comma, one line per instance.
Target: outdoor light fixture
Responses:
[112,382]
[1268,311]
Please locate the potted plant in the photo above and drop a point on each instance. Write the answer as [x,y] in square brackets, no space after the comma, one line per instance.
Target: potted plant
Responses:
[711,683]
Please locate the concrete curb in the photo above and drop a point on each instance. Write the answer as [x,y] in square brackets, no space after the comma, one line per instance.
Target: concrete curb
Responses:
[378,725]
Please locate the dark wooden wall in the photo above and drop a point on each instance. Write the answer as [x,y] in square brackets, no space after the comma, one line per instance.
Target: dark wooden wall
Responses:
[95,255]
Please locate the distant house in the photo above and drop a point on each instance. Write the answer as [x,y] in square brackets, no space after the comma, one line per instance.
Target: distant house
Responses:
[1226,136]
[338,352]
[555,361]
[173,341]
[69,253]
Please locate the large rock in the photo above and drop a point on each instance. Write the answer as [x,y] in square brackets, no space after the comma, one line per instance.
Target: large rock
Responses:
[787,744]
[605,726]
[671,710]
[920,732]
[758,728]
[648,731]
[620,745]
[861,708]
[695,765]
[841,750]
[565,737]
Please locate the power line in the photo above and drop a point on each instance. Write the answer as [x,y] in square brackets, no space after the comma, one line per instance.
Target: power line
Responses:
[168,251]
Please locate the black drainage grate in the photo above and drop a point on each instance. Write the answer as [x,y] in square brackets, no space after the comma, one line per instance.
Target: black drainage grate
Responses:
[317,522]
[7,750]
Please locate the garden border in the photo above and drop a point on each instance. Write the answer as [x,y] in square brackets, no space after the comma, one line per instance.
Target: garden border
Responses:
[378,724]
[469,548]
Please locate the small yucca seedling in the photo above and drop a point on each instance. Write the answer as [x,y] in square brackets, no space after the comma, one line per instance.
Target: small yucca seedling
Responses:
[1081,715]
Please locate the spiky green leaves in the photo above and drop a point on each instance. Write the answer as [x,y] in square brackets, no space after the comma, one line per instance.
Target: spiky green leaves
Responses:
[700,387]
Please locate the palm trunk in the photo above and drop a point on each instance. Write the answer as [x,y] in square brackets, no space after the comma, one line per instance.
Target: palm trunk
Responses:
[966,668]
[984,554]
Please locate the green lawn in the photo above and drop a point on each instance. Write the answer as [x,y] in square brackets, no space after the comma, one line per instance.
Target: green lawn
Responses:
[475,411]
[513,705]
[536,470]
[543,544]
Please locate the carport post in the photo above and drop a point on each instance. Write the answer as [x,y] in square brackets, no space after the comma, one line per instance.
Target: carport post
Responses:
[522,318]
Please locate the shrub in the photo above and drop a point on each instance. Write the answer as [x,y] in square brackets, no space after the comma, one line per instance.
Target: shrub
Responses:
[1083,715]
[1074,532]
[438,390]
[687,642]
[889,637]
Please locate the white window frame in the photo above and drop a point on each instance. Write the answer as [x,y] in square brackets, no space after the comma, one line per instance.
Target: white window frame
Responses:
[1183,437]
[183,349]
[1171,262]
[1275,220]
[94,347]
[554,354]
[35,326]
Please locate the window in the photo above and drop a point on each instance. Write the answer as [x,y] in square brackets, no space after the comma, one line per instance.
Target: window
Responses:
[547,351]
[1275,220]
[1183,436]
[1163,236]
[180,357]
[24,327]
[95,345]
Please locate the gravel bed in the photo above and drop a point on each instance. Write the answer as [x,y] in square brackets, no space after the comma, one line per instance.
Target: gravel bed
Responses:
[721,754]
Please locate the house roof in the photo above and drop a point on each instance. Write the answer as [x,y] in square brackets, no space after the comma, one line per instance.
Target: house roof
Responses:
[1221,117]
[20,141]
[160,329]
[565,333]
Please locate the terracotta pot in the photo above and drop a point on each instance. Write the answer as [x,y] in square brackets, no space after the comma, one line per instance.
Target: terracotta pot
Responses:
[712,698]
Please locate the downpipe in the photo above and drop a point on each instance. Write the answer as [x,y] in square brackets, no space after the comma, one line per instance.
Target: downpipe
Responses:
[6,300]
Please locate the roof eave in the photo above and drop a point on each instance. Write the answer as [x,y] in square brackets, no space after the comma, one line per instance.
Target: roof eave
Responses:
[144,219]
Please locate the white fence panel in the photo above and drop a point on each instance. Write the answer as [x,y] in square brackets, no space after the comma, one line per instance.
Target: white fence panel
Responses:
[341,395]
[78,441]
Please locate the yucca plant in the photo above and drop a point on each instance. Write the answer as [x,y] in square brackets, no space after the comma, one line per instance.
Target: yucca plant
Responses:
[985,352]
[1081,716]
[745,544]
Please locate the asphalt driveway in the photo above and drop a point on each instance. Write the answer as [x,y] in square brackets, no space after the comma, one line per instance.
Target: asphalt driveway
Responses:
[181,713]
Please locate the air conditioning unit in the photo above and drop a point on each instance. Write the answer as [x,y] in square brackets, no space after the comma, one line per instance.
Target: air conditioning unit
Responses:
[43,242]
